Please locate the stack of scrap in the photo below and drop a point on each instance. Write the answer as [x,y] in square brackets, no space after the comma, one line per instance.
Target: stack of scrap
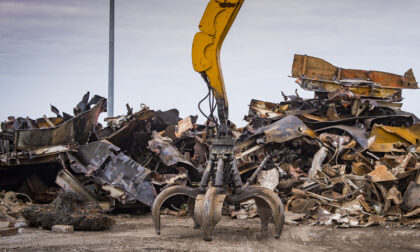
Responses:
[349,156]
[31,151]
[125,163]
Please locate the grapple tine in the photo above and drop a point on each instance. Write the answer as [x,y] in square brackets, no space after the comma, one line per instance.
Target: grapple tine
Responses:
[166,194]
[264,211]
[277,208]
[269,197]
[208,211]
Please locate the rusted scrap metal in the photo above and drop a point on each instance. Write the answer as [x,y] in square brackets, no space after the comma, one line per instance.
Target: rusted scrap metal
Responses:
[107,165]
[315,74]
[110,166]
[170,155]
[285,129]
[70,184]
[42,155]
[347,157]
[167,153]
[319,69]
[31,149]
[388,139]
[358,163]
[76,130]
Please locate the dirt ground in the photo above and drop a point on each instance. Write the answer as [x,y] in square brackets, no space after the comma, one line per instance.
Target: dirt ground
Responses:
[137,234]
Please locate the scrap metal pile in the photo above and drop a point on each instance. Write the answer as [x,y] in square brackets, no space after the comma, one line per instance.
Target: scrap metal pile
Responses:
[348,156]
[124,164]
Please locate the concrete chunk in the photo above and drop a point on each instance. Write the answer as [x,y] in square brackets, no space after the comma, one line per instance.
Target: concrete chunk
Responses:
[62,229]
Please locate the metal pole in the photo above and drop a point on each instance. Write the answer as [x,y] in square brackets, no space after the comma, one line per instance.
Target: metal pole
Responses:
[111,61]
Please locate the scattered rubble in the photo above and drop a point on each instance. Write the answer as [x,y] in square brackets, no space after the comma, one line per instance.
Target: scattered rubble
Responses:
[347,157]
[11,206]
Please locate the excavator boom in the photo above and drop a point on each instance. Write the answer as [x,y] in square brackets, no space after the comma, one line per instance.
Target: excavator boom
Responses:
[214,25]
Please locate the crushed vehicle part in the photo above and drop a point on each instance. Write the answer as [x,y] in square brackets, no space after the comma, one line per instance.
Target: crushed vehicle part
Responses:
[75,130]
[317,68]
[106,164]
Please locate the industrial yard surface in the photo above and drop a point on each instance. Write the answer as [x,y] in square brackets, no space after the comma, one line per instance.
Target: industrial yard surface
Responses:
[136,233]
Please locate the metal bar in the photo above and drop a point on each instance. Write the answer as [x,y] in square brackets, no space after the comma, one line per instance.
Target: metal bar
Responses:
[254,175]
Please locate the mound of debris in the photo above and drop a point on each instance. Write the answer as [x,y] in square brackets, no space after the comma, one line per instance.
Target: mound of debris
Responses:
[349,156]
[125,163]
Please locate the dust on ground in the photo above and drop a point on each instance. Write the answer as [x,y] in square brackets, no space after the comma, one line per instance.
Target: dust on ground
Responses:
[136,233]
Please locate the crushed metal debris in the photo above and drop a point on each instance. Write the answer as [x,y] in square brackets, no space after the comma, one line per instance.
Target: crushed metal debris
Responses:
[347,157]
[350,156]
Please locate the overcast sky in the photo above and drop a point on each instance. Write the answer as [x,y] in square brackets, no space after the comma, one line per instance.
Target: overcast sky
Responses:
[52,52]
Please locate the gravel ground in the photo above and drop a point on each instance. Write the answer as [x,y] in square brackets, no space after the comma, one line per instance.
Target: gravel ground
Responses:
[136,233]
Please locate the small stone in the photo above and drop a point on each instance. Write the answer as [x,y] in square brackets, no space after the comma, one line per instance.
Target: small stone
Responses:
[62,229]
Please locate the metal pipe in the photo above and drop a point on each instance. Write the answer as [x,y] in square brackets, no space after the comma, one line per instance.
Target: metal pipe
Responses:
[254,175]
[110,101]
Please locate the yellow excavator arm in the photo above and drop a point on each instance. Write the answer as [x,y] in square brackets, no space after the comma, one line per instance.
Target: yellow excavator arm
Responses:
[214,25]
[221,183]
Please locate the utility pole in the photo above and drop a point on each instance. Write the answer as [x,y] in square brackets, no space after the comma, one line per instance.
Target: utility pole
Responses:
[110,107]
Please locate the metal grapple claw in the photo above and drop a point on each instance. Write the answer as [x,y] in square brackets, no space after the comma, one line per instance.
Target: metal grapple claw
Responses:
[206,205]
[208,210]
[268,204]
[166,194]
